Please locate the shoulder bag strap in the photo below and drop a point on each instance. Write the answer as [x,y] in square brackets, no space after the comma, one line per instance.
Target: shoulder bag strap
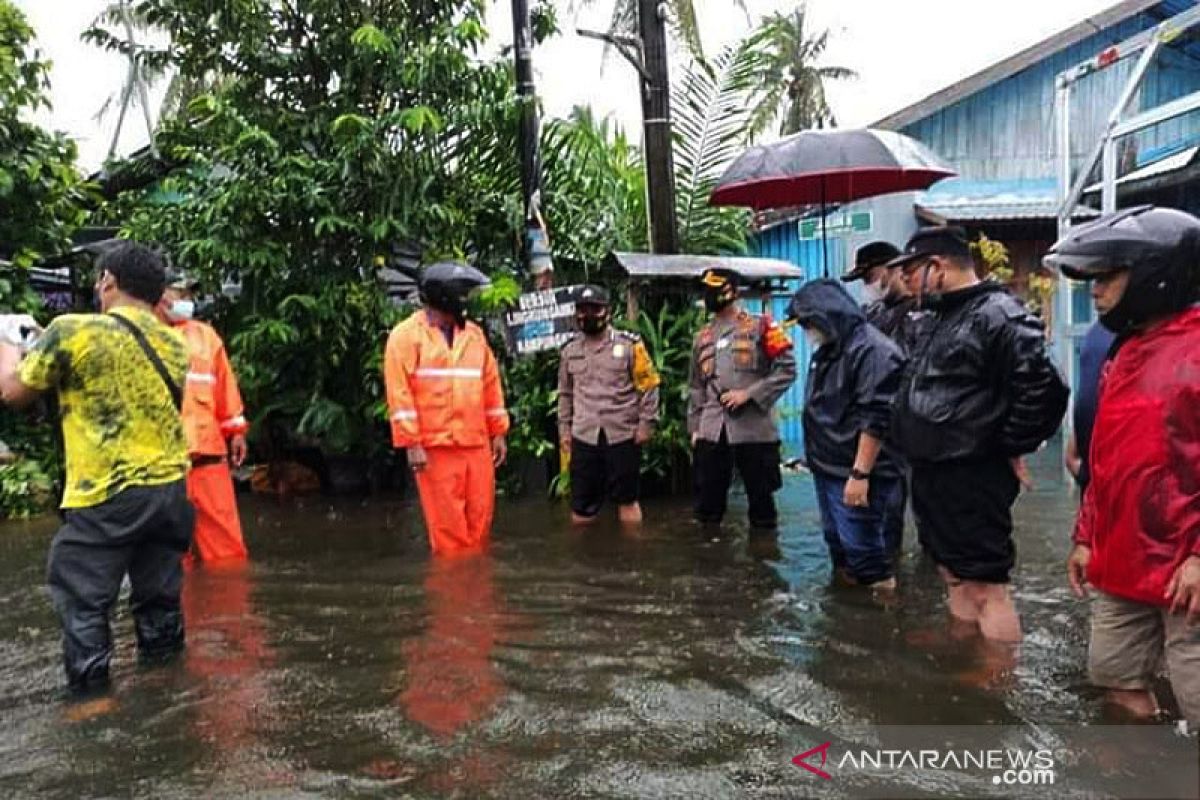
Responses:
[155,361]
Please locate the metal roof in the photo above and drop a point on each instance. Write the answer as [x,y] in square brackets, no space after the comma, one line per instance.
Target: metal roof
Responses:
[1015,63]
[1163,166]
[962,200]
[648,266]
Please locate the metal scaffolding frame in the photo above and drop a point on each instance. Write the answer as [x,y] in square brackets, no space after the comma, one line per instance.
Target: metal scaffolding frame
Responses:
[1148,44]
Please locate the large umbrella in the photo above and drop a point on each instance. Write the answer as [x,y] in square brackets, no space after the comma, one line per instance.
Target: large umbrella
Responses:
[828,166]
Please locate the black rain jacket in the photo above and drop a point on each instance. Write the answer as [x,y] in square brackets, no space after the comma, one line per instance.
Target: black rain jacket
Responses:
[980,383]
[852,380]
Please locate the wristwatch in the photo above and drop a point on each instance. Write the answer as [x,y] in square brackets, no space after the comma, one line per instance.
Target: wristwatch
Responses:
[859,475]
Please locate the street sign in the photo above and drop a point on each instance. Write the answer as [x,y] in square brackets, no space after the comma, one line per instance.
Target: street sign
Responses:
[541,321]
[839,224]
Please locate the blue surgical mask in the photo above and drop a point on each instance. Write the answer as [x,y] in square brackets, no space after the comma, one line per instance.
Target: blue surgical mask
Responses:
[182,310]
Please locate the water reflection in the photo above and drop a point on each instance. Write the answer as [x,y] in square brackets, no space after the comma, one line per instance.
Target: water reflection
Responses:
[451,681]
[228,657]
[674,661]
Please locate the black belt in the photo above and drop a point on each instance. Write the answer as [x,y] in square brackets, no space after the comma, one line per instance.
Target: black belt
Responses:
[206,461]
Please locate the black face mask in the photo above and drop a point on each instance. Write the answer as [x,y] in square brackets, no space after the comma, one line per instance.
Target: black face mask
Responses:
[592,324]
[715,303]
[451,303]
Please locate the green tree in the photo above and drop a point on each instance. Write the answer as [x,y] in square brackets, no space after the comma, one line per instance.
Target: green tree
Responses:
[338,130]
[791,84]
[41,193]
[41,204]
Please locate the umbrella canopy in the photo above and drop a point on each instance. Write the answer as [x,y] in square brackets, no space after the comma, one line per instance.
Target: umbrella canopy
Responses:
[828,166]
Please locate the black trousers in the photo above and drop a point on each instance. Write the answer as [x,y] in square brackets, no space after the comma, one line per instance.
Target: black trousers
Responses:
[758,465]
[143,531]
[964,514]
[604,471]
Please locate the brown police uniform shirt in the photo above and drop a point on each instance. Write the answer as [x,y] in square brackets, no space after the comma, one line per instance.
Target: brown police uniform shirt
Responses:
[748,352]
[606,383]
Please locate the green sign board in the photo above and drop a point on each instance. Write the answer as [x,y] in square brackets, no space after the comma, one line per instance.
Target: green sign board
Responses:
[837,225]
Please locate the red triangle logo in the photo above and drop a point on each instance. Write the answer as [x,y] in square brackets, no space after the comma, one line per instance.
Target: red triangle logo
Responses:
[802,760]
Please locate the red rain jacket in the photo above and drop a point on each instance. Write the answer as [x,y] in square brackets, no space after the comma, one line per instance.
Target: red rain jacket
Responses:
[1141,511]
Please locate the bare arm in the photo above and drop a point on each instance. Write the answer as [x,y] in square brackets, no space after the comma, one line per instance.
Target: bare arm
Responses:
[14,393]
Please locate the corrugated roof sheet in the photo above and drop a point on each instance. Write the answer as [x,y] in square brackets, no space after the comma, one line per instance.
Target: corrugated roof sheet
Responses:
[962,200]
[1156,169]
[649,265]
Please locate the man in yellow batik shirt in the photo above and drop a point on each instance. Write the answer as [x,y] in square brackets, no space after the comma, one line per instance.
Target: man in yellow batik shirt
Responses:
[117,376]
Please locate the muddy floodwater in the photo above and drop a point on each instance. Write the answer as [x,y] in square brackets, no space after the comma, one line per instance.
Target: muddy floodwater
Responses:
[674,662]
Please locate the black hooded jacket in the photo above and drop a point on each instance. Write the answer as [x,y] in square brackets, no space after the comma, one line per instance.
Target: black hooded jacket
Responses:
[980,383]
[852,380]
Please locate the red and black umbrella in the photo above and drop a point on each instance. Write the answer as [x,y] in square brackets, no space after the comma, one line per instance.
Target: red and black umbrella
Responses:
[828,166]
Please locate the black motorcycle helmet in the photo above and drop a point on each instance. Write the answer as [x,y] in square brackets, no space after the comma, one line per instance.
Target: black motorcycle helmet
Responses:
[1159,246]
[446,285]
[720,288]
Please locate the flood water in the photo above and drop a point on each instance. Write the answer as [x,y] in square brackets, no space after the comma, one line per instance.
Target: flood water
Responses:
[675,662]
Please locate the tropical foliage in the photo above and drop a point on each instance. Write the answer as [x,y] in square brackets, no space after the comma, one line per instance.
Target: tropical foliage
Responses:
[711,110]
[318,146]
[41,204]
[41,194]
[333,134]
[992,261]
[790,94]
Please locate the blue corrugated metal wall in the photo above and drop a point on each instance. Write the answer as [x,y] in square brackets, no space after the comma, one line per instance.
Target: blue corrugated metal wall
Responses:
[1007,131]
[783,242]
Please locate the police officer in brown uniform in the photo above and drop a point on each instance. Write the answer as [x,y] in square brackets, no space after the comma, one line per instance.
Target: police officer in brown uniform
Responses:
[607,409]
[741,365]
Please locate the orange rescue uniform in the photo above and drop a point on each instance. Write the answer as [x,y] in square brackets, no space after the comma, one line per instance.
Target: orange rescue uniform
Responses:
[212,414]
[448,400]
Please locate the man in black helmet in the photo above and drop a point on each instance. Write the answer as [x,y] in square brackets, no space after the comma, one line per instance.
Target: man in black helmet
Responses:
[979,392]
[607,409]
[447,409]
[1137,537]
[741,365]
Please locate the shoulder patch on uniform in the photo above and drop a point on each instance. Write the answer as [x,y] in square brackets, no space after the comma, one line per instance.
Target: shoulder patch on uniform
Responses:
[629,336]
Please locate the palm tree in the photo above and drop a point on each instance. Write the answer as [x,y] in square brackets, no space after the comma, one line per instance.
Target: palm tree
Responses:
[791,87]
[684,19]
[148,68]
[711,106]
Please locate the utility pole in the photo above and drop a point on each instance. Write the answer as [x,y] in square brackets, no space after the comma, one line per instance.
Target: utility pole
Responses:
[648,55]
[656,121]
[535,248]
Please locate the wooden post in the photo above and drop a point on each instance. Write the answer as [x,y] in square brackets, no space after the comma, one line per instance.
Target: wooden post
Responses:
[656,119]
[632,307]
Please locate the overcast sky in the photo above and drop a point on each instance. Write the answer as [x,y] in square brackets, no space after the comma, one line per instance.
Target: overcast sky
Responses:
[902,52]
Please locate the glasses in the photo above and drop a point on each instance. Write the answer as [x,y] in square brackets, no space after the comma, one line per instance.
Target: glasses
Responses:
[911,267]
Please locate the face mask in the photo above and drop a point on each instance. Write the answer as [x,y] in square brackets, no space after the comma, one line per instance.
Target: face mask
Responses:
[715,303]
[815,337]
[181,310]
[592,324]
[873,292]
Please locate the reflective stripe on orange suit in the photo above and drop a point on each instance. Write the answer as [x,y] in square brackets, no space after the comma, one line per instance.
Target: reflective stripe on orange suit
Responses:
[449,401]
[212,413]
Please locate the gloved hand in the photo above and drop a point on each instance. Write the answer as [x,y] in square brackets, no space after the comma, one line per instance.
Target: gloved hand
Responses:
[20,330]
